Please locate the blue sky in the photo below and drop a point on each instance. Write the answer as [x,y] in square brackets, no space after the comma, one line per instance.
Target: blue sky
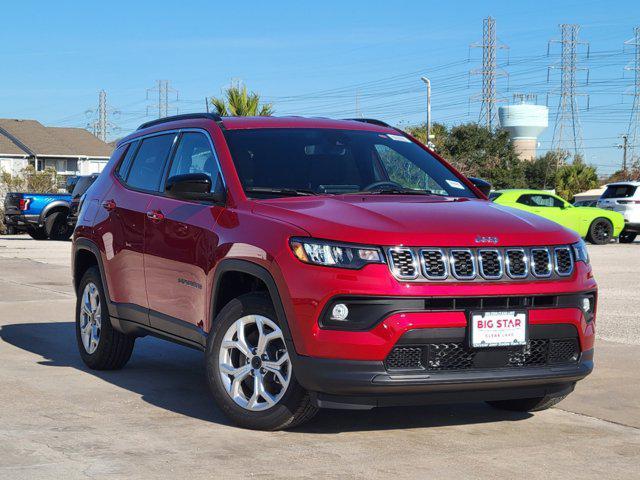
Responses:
[308,58]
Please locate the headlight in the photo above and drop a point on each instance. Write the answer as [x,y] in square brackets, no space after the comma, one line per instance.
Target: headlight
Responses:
[330,254]
[580,252]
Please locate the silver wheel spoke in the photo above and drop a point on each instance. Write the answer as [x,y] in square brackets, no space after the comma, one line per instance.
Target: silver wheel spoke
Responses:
[90,318]
[257,382]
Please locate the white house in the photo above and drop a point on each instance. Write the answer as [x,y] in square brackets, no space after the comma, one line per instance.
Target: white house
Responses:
[71,151]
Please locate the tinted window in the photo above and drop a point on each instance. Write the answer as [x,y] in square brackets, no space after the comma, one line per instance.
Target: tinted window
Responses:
[82,185]
[494,195]
[123,169]
[619,191]
[537,200]
[337,161]
[194,155]
[148,165]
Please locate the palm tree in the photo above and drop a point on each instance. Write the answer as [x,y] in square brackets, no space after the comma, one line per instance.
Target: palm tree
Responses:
[237,102]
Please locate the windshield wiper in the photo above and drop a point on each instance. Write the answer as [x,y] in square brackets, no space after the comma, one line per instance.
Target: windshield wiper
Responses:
[292,192]
[399,191]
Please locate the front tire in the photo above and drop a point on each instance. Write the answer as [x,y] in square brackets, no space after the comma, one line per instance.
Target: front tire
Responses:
[56,226]
[600,231]
[101,346]
[527,404]
[249,370]
[627,237]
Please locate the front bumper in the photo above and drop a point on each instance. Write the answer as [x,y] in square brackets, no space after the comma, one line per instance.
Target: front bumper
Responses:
[353,384]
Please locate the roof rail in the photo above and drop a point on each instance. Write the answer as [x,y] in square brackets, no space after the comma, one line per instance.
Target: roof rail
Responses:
[187,116]
[372,121]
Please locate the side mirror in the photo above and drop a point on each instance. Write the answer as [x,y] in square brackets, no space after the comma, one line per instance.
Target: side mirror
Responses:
[193,186]
[482,185]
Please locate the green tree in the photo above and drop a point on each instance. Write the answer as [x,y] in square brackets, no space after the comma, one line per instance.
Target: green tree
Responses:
[238,102]
[479,152]
[575,177]
[542,173]
[439,134]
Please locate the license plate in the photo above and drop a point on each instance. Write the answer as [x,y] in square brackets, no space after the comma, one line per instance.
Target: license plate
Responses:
[498,329]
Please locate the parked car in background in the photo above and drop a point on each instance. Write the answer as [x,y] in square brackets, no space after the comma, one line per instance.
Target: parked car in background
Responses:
[595,224]
[80,187]
[624,198]
[41,215]
[326,263]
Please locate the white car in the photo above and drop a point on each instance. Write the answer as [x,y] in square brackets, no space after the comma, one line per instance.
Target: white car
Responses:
[624,197]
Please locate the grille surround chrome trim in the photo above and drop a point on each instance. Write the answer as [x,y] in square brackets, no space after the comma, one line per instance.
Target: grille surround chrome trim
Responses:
[555,261]
[394,268]
[445,263]
[533,262]
[481,266]
[474,263]
[507,262]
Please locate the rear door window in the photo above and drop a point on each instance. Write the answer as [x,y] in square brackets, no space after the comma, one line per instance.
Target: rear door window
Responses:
[148,164]
[619,191]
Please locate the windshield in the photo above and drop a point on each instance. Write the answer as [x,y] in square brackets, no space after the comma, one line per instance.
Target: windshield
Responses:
[277,162]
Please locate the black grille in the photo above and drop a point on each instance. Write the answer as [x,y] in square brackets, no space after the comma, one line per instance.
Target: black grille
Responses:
[490,264]
[564,262]
[540,262]
[403,263]
[405,358]
[462,263]
[449,356]
[434,263]
[517,263]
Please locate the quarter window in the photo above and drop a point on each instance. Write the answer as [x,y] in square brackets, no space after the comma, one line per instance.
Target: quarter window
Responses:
[123,169]
[148,165]
[538,200]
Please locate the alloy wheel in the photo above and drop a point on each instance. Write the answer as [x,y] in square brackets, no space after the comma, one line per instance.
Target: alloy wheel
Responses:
[90,318]
[254,364]
[601,232]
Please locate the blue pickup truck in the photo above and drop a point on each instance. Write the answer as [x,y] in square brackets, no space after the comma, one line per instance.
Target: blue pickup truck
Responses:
[41,215]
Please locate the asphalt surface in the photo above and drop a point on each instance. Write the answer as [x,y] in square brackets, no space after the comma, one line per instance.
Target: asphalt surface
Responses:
[155,419]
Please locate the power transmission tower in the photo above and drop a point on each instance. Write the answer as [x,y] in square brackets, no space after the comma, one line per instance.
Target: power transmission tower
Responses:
[633,132]
[625,147]
[567,133]
[164,105]
[490,73]
[102,126]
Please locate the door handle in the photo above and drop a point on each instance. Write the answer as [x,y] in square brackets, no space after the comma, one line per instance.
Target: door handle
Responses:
[155,216]
[109,205]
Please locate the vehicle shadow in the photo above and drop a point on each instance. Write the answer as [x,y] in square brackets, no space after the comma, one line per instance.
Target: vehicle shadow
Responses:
[172,377]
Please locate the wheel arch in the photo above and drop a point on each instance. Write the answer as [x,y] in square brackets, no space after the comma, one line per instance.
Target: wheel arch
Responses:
[85,255]
[56,206]
[245,269]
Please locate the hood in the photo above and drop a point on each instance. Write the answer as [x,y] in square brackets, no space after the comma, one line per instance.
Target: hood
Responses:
[414,221]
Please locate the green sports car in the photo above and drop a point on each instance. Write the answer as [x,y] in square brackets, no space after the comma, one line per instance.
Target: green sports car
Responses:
[595,224]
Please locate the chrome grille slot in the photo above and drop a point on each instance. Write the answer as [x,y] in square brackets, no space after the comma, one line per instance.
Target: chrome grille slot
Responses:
[403,264]
[541,262]
[516,263]
[563,261]
[463,264]
[434,264]
[490,262]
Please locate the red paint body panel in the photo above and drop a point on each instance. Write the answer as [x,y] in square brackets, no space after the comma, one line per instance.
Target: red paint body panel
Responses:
[145,260]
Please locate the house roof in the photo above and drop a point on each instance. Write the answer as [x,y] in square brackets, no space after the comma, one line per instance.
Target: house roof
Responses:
[7,147]
[32,138]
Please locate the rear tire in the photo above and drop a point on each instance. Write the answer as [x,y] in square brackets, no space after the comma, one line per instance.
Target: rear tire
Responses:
[101,346]
[527,404]
[37,233]
[56,226]
[600,231]
[234,379]
[627,237]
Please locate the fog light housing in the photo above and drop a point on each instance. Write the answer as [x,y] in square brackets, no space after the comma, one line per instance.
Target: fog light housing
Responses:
[340,312]
[586,304]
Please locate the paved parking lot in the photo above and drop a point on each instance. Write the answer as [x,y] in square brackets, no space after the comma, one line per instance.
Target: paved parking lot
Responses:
[154,419]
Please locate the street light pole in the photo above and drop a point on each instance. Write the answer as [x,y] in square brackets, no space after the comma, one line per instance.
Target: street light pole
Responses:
[428,83]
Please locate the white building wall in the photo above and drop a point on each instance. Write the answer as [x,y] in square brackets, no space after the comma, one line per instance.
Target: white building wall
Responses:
[13,165]
[87,166]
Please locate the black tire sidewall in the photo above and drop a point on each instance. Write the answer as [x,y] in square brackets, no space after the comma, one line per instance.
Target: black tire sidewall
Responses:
[53,223]
[273,418]
[627,237]
[592,238]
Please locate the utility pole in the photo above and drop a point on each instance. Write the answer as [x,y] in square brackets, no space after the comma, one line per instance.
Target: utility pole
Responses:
[489,72]
[633,130]
[163,89]
[624,146]
[101,126]
[428,83]
[567,132]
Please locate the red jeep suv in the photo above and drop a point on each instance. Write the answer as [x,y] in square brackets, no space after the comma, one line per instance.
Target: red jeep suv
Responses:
[326,264]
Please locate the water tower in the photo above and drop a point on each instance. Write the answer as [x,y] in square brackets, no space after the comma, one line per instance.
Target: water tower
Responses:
[524,121]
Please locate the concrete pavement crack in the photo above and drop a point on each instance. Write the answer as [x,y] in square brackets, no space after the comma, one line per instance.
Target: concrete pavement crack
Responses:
[613,422]
[39,287]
